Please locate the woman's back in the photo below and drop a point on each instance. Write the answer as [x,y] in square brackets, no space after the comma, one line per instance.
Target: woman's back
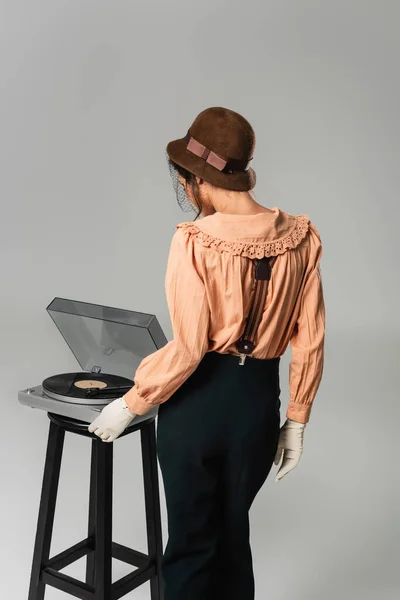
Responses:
[228,274]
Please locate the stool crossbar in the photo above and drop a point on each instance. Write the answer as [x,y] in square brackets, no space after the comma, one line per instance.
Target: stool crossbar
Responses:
[98,546]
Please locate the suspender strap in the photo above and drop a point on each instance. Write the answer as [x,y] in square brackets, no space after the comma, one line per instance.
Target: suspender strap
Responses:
[263,266]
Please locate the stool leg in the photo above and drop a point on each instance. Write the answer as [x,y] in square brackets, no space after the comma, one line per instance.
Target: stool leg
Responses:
[152,504]
[47,507]
[90,559]
[103,519]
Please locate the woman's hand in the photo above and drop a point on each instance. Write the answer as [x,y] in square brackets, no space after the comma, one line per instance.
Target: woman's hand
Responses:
[112,421]
[290,446]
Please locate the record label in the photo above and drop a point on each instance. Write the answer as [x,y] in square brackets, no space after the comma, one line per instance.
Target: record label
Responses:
[90,383]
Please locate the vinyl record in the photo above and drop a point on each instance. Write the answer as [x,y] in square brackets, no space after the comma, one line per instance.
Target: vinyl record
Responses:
[86,388]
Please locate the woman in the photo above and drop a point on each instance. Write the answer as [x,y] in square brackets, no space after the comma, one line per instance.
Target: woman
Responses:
[217,381]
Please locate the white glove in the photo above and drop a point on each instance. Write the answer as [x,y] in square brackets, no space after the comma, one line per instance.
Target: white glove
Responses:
[112,421]
[290,446]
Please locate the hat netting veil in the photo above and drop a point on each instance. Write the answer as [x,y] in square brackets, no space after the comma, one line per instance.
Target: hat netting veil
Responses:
[181,196]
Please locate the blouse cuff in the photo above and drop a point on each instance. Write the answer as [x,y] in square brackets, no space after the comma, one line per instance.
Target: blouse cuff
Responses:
[299,412]
[136,403]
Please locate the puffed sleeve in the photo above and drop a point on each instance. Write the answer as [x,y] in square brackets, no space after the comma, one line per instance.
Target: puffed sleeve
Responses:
[308,338]
[160,374]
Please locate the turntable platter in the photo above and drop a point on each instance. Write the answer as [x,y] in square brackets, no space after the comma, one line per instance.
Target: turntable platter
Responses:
[86,388]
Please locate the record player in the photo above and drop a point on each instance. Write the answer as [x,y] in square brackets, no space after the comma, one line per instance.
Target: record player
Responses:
[109,344]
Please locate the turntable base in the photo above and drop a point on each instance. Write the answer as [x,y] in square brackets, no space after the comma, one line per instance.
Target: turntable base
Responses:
[36,398]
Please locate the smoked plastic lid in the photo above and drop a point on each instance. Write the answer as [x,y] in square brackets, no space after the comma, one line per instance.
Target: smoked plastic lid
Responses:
[105,339]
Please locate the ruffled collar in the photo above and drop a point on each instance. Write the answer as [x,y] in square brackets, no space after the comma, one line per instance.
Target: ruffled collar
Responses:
[254,236]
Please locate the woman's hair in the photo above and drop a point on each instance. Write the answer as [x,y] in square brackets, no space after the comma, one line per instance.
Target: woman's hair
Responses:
[191,180]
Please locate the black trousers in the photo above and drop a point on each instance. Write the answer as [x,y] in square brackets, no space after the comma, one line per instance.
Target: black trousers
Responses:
[216,441]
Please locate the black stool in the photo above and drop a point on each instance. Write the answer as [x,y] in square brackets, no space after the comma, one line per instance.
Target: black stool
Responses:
[98,546]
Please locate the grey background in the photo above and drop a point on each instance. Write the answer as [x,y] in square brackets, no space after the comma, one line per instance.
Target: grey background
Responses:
[91,92]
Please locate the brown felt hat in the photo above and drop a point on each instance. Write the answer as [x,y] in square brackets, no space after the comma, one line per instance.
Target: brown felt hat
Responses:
[218,148]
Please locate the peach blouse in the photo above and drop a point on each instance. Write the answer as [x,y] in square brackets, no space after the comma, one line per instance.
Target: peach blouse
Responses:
[209,283]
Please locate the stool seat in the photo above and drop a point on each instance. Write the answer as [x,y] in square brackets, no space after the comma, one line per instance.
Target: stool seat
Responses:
[98,546]
[76,426]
